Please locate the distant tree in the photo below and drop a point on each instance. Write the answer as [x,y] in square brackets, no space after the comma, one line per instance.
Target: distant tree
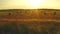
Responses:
[9,13]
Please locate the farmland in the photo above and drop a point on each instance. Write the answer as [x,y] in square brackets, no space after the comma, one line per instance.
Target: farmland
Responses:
[30,21]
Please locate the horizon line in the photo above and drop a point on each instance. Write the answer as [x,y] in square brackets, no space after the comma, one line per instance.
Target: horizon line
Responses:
[28,9]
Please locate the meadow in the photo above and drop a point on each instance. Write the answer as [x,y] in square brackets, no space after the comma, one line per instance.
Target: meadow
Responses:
[33,21]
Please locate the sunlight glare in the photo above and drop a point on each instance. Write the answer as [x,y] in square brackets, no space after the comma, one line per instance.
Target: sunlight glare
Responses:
[35,3]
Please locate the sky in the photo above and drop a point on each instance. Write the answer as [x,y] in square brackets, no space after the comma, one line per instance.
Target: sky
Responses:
[29,4]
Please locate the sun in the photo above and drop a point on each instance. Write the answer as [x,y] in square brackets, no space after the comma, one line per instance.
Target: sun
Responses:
[35,3]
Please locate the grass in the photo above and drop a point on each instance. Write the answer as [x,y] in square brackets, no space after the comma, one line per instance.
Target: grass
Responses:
[30,28]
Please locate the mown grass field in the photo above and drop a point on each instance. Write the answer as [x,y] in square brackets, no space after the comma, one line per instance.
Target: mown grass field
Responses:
[21,21]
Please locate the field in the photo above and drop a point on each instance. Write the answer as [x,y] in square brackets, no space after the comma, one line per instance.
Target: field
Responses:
[30,21]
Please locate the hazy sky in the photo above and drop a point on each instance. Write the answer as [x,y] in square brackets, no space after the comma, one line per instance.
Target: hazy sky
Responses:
[29,4]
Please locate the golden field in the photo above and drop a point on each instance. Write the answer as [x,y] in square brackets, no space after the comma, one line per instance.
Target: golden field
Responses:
[30,21]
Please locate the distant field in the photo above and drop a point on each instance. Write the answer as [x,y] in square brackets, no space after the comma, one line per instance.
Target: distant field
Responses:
[37,14]
[30,21]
